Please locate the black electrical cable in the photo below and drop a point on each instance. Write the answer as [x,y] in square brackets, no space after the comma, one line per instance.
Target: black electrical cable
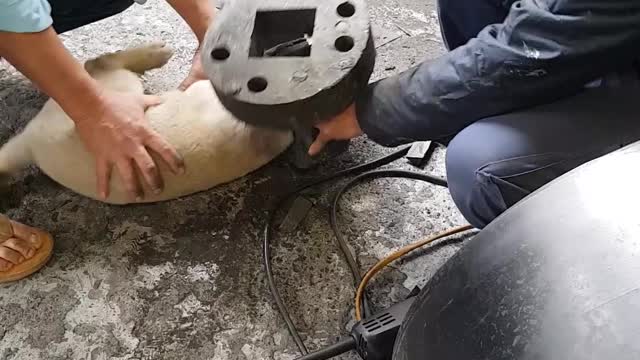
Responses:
[268,234]
[364,173]
[332,350]
[370,175]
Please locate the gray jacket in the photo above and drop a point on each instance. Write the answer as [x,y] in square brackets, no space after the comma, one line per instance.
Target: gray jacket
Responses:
[543,51]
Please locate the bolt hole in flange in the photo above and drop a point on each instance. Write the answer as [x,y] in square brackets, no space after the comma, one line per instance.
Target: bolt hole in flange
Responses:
[220,53]
[344,43]
[257,84]
[346,9]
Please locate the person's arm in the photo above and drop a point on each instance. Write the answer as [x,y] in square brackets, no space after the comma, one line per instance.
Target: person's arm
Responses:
[112,125]
[198,14]
[26,51]
[544,50]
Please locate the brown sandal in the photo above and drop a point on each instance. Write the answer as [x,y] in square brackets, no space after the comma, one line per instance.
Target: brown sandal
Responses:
[29,266]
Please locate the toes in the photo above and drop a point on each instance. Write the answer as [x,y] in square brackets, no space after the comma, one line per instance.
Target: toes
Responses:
[27,233]
[11,255]
[21,246]
[5,265]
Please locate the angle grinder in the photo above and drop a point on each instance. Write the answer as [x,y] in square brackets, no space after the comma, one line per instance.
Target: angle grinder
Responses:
[289,64]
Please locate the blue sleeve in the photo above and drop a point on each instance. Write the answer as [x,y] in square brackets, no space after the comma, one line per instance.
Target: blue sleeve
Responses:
[543,51]
[25,16]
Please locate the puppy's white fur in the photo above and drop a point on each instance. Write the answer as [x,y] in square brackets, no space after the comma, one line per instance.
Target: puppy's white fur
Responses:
[216,147]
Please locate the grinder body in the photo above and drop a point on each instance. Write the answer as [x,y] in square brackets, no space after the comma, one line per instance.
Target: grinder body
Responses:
[289,64]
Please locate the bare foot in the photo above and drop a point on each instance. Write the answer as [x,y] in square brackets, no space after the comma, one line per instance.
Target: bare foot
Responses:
[18,243]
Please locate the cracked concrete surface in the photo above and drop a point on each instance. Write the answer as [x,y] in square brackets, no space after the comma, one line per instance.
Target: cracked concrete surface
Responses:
[184,279]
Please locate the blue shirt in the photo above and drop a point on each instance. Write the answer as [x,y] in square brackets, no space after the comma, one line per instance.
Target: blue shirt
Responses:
[25,16]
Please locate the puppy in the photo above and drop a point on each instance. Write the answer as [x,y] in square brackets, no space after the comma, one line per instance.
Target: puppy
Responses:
[216,147]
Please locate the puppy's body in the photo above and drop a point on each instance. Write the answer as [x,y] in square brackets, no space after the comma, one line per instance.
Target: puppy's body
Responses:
[216,147]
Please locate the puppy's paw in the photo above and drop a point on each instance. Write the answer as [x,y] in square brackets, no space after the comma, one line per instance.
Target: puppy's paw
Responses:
[146,57]
[138,59]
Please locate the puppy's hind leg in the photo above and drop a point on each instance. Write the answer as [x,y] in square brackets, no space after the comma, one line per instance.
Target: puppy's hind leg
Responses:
[137,59]
[14,156]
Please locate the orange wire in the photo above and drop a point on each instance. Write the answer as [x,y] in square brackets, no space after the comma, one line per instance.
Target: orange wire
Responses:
[396,255]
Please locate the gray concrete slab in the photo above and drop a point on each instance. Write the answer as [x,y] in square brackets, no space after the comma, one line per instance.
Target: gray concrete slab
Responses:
[183,279]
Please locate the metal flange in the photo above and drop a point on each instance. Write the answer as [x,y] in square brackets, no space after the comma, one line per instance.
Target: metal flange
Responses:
[288,64]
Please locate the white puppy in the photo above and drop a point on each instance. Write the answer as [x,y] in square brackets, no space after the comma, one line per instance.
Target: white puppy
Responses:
[216,147]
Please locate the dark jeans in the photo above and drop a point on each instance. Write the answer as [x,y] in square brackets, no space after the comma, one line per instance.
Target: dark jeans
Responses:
[497,161]
[71,14]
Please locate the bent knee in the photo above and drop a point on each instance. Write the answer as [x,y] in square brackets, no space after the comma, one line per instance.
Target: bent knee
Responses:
[488,171]
[473,190]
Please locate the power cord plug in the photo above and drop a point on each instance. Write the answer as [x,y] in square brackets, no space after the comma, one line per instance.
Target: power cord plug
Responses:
[419,153]
[373,338]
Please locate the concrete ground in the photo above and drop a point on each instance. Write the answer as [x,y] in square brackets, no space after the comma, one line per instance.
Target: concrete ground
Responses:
[184,279]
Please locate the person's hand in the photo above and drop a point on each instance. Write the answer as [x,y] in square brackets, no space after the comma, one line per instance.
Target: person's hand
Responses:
[341,127]
[199,15]
[195,74]
[118,134]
